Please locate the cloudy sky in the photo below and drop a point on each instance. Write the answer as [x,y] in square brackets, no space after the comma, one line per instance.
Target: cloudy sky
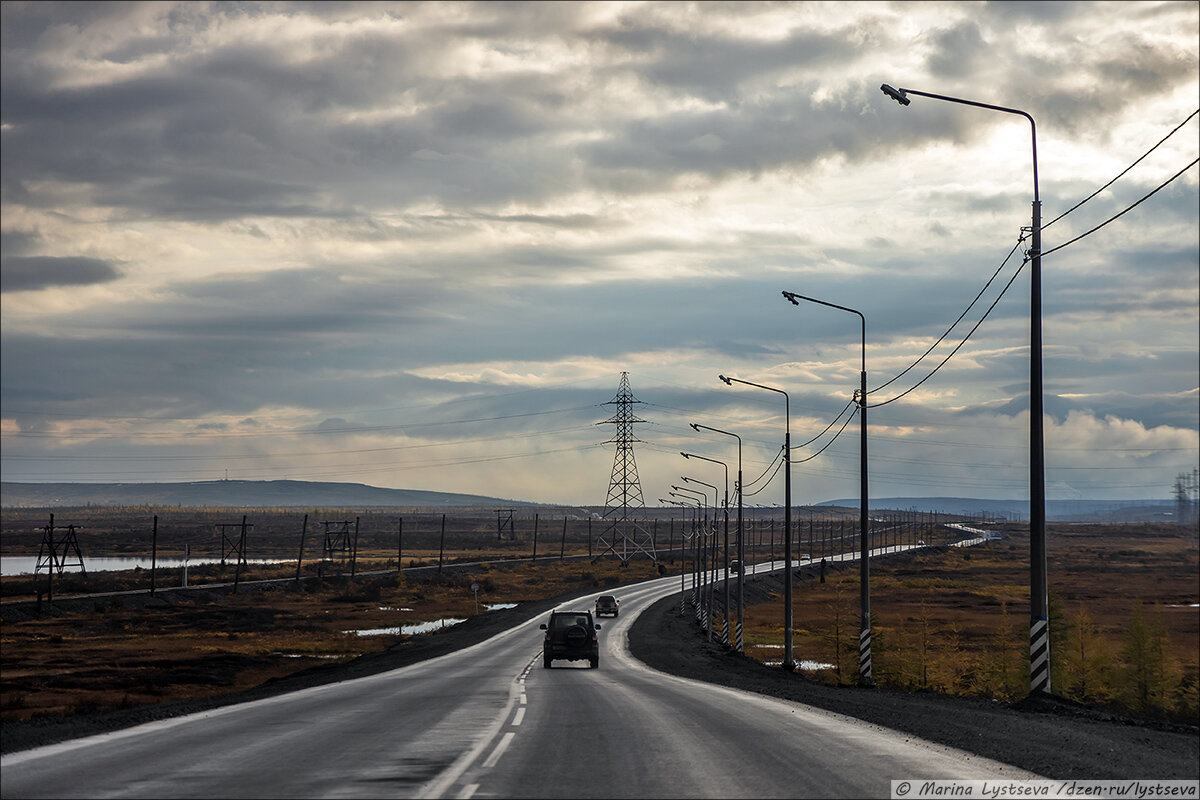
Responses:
[415,245]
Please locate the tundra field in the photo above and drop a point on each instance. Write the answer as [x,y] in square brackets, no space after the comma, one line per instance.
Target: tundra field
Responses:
[1124,603]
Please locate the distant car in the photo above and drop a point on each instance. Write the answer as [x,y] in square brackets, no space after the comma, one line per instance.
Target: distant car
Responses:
[735,566]
[607,604]
[570,636]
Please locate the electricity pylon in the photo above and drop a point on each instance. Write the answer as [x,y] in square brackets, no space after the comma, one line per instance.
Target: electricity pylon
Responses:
[623,532]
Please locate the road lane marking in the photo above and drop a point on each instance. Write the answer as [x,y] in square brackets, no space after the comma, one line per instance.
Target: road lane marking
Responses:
[519,718]
[468,791]
[499,751]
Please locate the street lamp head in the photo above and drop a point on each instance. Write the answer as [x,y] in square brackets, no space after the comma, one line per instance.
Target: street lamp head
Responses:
[695,427]
[685,455]
[899,95]
[728,382]
[792,297]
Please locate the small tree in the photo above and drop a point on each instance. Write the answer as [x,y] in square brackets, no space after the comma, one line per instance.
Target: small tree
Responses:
[1150,677]
[1089,662]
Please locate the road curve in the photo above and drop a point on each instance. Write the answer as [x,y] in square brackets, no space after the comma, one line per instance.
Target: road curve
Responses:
[489,721]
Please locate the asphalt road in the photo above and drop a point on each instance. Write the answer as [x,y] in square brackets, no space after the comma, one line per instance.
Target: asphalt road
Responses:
[489,721]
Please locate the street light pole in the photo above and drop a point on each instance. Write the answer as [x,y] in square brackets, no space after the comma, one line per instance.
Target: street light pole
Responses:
[712,561]
[1039,611]
[682,562]
[741,557]
[789,662]
[698,581]
[725,615]
[864,519]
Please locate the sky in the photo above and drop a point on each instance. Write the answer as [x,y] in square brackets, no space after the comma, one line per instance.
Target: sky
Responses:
[416,245]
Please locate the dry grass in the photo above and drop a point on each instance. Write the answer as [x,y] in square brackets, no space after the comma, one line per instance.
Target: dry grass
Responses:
[957,621]
[122,657]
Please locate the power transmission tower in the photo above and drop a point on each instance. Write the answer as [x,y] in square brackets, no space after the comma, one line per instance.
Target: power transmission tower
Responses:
[337,540]
[624,487]
[1187,495]
[504,521]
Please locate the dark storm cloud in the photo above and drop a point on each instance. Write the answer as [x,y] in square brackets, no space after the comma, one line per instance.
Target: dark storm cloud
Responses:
[716,67]
[30,273]
[956,50]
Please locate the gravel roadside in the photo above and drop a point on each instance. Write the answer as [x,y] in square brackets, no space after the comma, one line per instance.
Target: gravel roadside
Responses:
[1051,738]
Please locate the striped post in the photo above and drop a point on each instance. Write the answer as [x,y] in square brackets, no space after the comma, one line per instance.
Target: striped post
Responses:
[740,644]
[864,657]
[1039,656]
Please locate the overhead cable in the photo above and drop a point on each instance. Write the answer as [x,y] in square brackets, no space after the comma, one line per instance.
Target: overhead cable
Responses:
[1131,166]
[958,346]
[831,441]
[1126,211]
[942,338]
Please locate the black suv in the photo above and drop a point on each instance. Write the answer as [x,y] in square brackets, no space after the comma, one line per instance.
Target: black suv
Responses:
[606,604]
[570,635]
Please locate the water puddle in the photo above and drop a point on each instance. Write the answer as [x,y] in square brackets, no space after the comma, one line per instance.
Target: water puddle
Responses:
[807,666]
[312,655]
[409,630]
[25,565]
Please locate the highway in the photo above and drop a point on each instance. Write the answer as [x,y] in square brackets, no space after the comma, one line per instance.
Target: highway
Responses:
[489,721]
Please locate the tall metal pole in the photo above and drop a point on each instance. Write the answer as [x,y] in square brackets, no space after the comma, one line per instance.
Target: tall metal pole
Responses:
[712,557]
[725,616]
[1039,611]
[864,516]
[154,554]
[789,661]
[864,530]
[741,557]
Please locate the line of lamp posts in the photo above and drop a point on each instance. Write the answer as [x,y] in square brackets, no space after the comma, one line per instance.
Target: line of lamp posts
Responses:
[1039,630]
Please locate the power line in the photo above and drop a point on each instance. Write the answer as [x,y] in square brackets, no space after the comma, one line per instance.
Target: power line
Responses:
[831,441]
[1122,213]
[960,344]
[830,425]
[1123,172]
[942,338]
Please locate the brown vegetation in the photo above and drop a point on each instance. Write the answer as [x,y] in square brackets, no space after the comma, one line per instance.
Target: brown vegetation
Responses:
[1125,626]
[106,652]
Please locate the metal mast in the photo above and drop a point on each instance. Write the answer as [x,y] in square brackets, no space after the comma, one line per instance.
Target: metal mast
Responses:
[624,487]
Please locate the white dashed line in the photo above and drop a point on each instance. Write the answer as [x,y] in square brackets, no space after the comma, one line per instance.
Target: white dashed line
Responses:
[499,751]
[468,791]
[519,718]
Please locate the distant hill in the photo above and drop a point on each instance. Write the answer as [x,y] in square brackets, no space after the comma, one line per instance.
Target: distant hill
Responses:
[234,494]
[1056,510]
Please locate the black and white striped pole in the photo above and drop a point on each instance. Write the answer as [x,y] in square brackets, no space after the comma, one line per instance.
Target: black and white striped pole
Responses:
[741,557]
[682,562]
[864,518]
[712,553]
[725,614]
[1039,611]
[789,661]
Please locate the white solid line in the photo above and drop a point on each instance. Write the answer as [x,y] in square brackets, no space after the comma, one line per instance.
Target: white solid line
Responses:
[499,751]
[520,717]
